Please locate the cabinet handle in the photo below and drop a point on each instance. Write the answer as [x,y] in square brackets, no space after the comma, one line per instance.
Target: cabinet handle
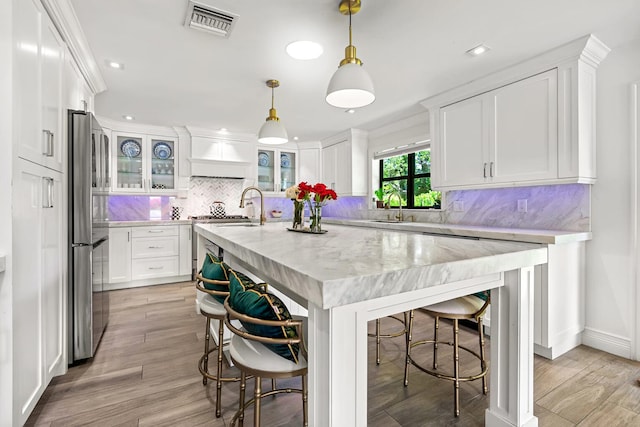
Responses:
[155,231]
[484,170]
[128,236]
[155,247]
[491,169]
[84,105]
[48,143]
[156,268]
[47,193]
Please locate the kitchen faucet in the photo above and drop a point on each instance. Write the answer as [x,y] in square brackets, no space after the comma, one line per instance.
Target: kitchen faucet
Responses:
[263,219]
[400,217]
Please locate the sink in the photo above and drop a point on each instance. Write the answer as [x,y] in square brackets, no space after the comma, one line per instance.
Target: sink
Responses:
[387,221]
[239,224]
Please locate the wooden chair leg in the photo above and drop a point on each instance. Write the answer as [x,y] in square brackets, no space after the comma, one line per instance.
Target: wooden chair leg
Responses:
[207,336]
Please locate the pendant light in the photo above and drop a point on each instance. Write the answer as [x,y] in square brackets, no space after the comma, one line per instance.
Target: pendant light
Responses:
[351,86]
[272,131]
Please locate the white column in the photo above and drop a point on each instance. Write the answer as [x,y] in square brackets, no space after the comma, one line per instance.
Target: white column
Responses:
[337,367]
[511,383]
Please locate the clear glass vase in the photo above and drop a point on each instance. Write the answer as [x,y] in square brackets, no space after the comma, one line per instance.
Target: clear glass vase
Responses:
[316,219]
[298,215]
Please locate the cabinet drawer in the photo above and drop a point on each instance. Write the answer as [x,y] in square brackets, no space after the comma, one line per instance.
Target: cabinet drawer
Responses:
[167,230]
[154,267]
[155,247]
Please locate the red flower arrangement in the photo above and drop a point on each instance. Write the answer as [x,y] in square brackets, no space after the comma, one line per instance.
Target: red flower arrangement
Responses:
[320,193]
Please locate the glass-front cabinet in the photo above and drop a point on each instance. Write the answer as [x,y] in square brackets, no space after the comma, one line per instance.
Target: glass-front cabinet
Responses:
[144,164]
[276,169]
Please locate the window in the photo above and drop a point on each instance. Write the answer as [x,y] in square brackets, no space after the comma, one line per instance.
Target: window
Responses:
[410,174]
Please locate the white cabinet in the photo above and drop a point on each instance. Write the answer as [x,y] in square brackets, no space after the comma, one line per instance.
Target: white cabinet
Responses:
[38,291]
[185,249]
[344,164]
[144,163]
[500,137]
[277,169]
[530,124]
[119,255]
[145,255]
[39,58]
[309,161]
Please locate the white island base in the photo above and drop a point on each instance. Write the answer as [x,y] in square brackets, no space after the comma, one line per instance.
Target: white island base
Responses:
[349,286]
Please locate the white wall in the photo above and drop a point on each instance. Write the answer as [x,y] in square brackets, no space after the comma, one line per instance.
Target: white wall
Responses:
[6,314]
[610,307]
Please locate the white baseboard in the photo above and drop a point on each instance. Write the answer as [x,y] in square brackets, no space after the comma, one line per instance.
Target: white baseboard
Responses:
[614,344]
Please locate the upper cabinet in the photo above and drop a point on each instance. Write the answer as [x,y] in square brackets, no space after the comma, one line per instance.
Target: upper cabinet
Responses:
[38,69]
[344,163]
[506,135]
[277,169]
[532,124]
[144,163]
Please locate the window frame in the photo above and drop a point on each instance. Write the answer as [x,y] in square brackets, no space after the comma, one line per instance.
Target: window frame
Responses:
[410,177]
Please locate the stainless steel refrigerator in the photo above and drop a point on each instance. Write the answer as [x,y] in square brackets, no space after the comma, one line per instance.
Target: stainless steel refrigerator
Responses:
[89,176]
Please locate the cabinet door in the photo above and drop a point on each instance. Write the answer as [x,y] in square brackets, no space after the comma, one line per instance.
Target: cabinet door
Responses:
[26,81]
[524,141]
[119,255]
[185,249]
[266,170]
[464,133]
[309,165]
[288,165]
[52,62]
[130,163]
[329,166]
[38,288]
[162,156]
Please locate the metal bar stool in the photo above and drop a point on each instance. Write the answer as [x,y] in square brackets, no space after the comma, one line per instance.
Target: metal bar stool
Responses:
[212,308]
[404,331]
[470,307]
[251,356]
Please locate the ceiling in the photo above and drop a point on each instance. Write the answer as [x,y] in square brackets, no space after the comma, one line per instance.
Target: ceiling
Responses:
[413,49]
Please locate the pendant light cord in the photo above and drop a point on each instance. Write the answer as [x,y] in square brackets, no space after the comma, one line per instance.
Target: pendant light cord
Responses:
[272,97]
[350,41]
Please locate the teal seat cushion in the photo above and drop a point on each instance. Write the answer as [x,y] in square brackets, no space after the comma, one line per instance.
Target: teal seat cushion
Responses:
[253,300]
[215,269]
[484,295]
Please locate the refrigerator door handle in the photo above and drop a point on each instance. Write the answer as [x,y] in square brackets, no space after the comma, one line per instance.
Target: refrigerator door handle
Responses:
[47,142]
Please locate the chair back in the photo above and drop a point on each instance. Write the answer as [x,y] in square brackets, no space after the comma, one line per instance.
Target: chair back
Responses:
[487,301]
[200,280]
[295,323]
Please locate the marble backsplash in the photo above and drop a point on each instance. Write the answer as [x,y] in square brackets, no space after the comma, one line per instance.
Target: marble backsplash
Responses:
[554,207]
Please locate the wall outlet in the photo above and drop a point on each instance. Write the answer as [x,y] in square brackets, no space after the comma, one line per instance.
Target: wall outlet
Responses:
[522,205]
[458,206]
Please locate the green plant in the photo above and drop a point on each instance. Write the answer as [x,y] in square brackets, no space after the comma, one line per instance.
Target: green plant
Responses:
[379,194]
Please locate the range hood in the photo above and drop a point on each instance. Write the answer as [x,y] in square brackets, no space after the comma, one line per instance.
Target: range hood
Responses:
[219,168]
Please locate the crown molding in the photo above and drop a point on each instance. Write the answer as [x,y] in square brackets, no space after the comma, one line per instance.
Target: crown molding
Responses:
[66,22]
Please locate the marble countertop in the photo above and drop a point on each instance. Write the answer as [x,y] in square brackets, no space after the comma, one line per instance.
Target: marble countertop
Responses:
[351,264]
[512,234]
[161,222]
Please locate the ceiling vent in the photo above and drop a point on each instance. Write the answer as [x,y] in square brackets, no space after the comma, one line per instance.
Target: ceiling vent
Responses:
[206,18]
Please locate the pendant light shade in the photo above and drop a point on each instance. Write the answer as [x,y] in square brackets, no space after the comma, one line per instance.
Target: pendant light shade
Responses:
[272,131]
[351,86]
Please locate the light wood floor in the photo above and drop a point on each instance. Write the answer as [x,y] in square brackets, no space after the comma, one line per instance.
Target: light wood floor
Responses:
[145,374]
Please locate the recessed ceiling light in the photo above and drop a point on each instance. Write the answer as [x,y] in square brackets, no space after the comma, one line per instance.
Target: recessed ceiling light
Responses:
[128,117]
[295,138]
[478,50]
[304,50]
[116,65]
[350,111]
[223,130]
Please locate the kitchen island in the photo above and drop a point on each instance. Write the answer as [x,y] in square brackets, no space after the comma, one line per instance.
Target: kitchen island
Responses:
[350,276]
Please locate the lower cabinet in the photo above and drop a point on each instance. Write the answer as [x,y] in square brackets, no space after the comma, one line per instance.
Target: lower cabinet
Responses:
[148,255]
[38,286]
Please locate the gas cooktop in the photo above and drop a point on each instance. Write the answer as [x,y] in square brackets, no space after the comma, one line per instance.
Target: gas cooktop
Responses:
[211,218]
